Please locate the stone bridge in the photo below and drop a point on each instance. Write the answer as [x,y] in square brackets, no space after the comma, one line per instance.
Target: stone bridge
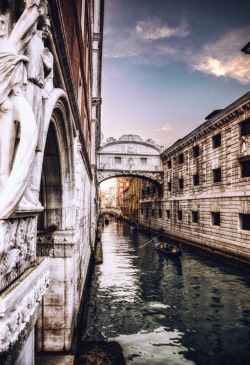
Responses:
[130,156]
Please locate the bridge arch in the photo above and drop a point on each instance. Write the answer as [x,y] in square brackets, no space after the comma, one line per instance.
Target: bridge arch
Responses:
[132,157]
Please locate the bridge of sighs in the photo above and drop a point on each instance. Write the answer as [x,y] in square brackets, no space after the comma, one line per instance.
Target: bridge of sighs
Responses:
[130,156]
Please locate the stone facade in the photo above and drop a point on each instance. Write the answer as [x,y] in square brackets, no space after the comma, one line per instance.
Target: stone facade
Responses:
[48,200]
[206,197]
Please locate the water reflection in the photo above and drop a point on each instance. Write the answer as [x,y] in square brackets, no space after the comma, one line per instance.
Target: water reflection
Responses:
[161,346]
[190,310]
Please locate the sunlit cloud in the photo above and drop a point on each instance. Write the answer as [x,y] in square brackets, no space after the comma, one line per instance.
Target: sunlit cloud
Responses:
[165,128]
[154,29]
[223,58]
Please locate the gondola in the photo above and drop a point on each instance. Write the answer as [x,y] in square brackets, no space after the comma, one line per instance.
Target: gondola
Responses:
[168,250]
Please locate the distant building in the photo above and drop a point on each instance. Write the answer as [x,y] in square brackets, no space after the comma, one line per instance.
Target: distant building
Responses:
[131,200]
[122,183]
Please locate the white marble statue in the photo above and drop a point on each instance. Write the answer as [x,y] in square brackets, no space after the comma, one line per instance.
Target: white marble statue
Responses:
[15,112]
[38,69]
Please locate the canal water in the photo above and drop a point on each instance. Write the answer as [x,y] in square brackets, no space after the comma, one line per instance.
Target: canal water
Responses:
[188,310]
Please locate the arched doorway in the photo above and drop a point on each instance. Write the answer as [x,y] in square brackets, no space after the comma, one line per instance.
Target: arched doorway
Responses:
[51,186]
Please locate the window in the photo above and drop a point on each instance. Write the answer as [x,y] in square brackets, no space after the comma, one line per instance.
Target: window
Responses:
[195,217]
[245,221]
[196,151]
[169,164]
[179,215]
[216,140]
[245,128]
[181,158]
[148,190]
[181,183]
[141,211]
[217,175]
[153,212]
[153,189]
[168,213]
[196,179]
[143,192]
[160,213]
[215,218]
[146,212]
[169,186]
[118,160]
[245,168]
[143,160]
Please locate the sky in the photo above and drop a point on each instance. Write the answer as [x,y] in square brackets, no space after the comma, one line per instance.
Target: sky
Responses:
[167,64]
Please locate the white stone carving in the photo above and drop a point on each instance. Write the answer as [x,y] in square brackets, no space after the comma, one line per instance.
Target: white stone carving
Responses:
[17,248]
[16,319]
[16,112]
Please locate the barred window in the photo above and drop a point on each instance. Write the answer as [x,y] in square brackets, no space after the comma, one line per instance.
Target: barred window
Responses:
[196,151]
[245,168]
[216,140]
[143,160]
[217,175]
[181,183]
[195,217]
[168,213]
[245,221]
[169,164]
[215,218]
[196,179]
[179,215]
[181,158]
[245,128]
[118,160]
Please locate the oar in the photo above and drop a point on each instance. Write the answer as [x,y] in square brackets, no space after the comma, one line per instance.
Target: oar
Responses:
[149,241]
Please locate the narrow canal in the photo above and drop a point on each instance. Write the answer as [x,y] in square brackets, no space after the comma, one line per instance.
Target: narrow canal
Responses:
[188,310]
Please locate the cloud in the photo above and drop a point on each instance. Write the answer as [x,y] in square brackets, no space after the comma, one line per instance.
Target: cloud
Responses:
[147,41]
[155,29]
[166,128]
[223,57]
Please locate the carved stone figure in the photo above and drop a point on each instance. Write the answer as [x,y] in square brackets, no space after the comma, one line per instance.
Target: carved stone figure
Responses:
[16,164]
[39,67]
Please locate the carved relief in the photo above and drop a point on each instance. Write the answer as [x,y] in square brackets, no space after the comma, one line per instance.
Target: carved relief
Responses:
[55,246]
[17,319]
[17,248]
